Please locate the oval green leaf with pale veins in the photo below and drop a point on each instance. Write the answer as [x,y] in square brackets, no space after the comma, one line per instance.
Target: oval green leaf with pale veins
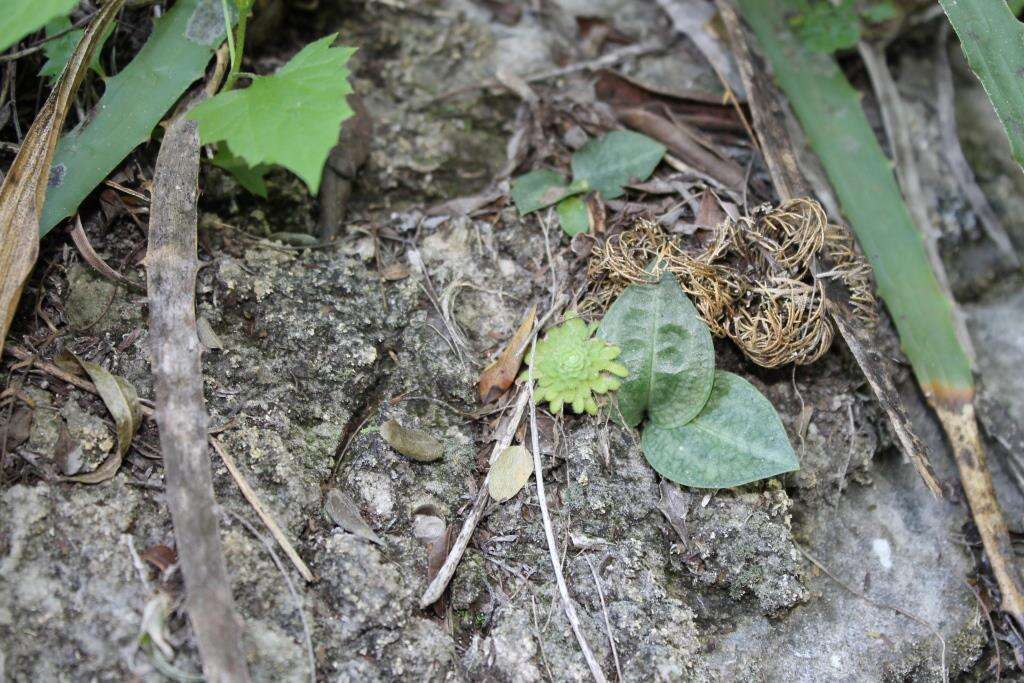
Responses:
[667,349]
[738,438]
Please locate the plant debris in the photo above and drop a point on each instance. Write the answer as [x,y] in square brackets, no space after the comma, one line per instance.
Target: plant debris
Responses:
[412,443]
[343,511]
[752,282]
[509,473]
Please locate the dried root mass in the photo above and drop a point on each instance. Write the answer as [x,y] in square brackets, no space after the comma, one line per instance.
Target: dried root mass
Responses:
[754,282]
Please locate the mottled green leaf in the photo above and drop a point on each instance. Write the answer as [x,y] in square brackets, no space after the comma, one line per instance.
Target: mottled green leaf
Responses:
[736,439]
[541,188]
[21,17]
[826,27]
[616,159]
[509,473]
[174,56]
[573,215]
[249,177]
[291,118]
[993,41]
[667,349]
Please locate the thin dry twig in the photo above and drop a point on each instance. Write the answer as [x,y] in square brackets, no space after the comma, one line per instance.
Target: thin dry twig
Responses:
[607,620]
[268,521]
[306,631]
[171,268]
[549,533]
[84,246]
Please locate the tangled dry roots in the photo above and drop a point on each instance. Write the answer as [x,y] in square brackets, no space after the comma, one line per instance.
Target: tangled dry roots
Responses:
[753,283]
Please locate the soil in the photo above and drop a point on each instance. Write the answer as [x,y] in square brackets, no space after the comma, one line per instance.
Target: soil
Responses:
[810,576]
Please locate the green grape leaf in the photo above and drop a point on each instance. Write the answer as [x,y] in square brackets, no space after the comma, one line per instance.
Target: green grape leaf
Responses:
[667,349]
[613,160]
[22,17]
[291,118]
[573,215]
[541,188]
[249,177]
[58,51]
[738,438]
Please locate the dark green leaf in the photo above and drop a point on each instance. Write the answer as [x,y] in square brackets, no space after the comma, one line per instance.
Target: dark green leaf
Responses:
[825,27]
[541,188]
[738,438]
[616,159]
[667,349]
[249,177]
[573,215]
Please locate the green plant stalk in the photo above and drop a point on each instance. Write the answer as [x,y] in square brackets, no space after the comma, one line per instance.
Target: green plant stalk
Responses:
[237,42]
[829,110]
[830,113]
[993,41]
[175,55]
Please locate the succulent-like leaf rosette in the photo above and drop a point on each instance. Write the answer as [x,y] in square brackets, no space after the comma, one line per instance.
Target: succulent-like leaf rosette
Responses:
[570,366]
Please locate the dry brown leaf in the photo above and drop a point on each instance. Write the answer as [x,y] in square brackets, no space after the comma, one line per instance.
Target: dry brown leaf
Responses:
[509,473]
[123,403]
[430,529]
[345,513]
[499,375]
[412,443]
[24,188]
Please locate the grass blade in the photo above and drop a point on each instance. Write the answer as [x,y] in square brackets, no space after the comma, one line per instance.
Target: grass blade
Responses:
[993,41]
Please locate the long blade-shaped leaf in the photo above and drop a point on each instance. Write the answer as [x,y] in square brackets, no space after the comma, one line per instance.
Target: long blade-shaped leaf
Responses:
[993,42]
[24,188]
[830,112]
[175,55]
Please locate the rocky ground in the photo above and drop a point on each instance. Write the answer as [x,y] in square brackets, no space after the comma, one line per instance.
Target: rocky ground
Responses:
[845,570]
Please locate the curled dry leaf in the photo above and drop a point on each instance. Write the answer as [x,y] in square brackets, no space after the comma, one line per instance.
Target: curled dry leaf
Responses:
[24,187]
[509,473]
[499,375]
[430,529]
[122,401]
[412,443]
[343,511]
[675,505]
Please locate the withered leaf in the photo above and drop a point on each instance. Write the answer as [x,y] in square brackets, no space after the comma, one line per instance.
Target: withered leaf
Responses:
[675,505]
[430,529]
[509,473]
[499,375]
[123,403]
[17,429]
[24,187]
[412,443]
[343,511]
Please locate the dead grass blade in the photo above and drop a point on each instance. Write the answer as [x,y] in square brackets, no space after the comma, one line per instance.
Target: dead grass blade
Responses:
[24,188]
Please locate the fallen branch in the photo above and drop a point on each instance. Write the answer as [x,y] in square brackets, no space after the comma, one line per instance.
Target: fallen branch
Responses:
[171,267]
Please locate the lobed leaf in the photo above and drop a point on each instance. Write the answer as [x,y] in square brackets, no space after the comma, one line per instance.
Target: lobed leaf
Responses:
[667,349]
[736,439]
[291,118]
[616,159]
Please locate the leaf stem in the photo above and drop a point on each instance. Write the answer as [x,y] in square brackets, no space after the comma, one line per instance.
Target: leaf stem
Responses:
[236,42]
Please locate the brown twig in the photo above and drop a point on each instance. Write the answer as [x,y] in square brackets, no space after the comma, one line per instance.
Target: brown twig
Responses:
[171,268]
[268,521]
[84,246]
